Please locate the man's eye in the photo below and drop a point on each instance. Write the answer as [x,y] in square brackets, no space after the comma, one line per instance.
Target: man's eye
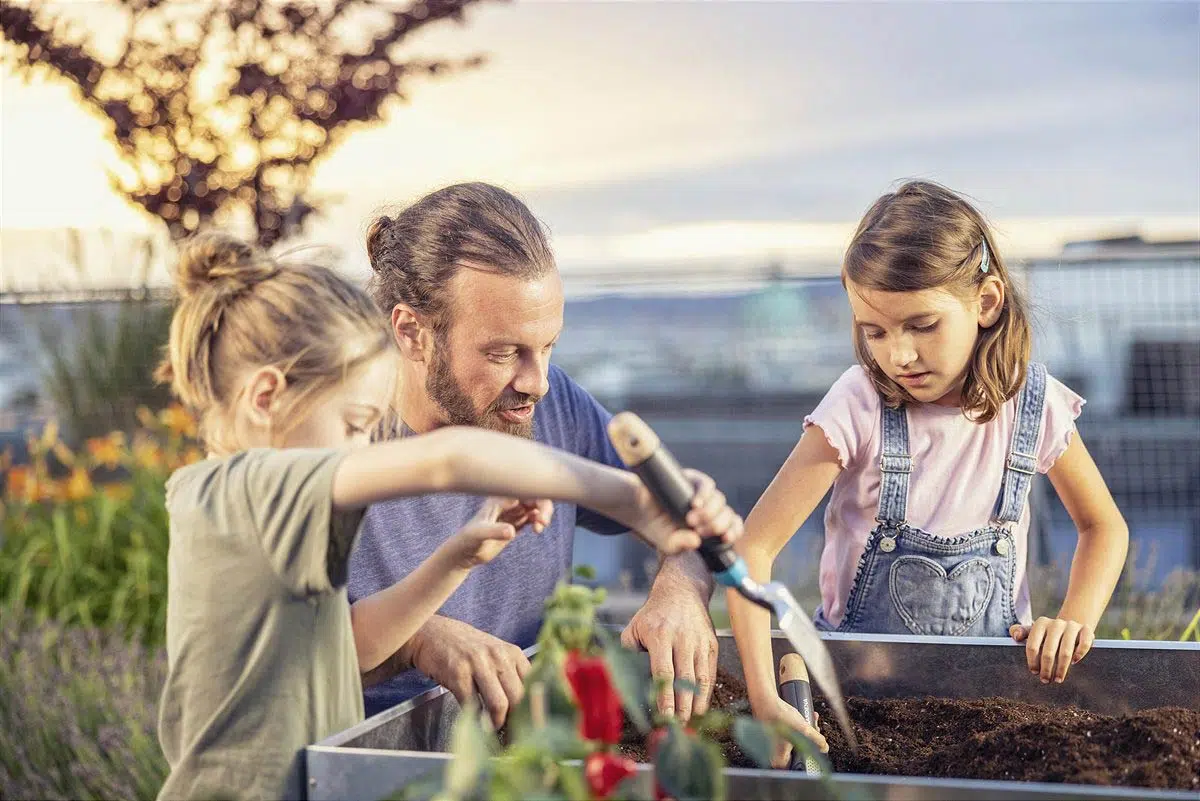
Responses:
[503,357]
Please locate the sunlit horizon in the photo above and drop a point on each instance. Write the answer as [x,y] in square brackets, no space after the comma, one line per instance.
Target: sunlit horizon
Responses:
[766,147]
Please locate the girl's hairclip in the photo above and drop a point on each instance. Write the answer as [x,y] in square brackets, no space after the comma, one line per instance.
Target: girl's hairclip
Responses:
[984,260]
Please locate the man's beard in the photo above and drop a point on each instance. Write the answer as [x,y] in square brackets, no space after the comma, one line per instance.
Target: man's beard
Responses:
[448,394]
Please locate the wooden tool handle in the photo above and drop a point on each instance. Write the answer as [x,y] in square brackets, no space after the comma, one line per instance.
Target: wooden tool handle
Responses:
[640,448]
[792,668]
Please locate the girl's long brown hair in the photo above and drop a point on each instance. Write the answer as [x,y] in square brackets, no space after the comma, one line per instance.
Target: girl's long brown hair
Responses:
[924,236]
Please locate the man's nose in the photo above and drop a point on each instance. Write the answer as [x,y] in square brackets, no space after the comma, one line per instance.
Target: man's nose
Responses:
[533,377]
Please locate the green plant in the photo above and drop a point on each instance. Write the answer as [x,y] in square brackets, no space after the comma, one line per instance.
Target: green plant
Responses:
[99,359]
[78,714]
[560,741]
[1138,610]
[78,551]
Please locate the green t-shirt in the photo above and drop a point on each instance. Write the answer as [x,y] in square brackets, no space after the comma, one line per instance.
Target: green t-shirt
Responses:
[261,658]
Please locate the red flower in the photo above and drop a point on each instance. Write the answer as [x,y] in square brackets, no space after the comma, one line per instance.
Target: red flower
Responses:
[600,714]
[605,771]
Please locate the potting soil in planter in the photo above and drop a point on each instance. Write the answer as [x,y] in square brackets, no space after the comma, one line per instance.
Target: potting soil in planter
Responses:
[994,738]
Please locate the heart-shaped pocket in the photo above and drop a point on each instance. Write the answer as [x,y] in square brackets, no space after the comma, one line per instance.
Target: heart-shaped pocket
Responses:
[932,602]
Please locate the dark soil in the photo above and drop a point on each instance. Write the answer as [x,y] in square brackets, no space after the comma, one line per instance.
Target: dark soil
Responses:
[993,738]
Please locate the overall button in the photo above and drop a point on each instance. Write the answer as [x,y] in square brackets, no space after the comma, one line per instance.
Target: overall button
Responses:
[887,544]
[1003,545]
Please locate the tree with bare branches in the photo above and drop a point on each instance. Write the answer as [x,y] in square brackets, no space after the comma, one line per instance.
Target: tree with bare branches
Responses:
[220,109]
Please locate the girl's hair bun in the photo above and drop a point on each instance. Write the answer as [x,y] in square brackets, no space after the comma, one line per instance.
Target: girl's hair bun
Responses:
[215,260]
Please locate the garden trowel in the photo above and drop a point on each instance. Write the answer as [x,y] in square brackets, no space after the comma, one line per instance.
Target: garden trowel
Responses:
[646,456]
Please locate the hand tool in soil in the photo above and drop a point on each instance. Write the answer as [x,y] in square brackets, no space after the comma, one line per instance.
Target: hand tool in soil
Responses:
[646,456]
[795,690]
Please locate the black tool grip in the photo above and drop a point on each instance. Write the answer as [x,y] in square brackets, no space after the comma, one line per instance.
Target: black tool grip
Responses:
[799,694]
[663,476]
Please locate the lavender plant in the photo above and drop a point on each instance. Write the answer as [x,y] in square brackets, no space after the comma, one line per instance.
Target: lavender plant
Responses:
[78,713]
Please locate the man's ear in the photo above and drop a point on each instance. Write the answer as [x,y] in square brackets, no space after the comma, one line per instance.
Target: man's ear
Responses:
[262,395]
[413,335]
[991,301]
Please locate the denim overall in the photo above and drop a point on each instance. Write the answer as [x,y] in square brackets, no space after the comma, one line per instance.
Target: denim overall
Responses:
[910,582]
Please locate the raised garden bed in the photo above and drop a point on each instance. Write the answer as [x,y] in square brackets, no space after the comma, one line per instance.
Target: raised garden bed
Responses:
[992,738]
[888,678]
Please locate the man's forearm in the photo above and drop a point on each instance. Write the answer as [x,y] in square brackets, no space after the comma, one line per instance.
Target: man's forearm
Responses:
[683,571]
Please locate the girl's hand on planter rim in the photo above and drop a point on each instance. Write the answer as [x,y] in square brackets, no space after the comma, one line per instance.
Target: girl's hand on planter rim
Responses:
[1052,645]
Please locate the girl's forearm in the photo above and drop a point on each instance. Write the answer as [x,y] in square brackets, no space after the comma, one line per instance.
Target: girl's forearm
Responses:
[1096,567]
[475,461]
[751,626]
[385,621]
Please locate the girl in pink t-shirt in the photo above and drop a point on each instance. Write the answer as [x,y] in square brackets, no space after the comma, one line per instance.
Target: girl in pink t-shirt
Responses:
[931,445]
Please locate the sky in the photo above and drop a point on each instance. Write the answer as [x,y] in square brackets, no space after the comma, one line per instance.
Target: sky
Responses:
[734,132]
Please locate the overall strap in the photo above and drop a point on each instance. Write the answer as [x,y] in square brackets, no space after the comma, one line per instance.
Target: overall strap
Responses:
[895,465]
[1021,465]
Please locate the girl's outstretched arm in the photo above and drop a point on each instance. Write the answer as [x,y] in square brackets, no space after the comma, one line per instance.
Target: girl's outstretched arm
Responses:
[476,461]
[795,491]
[1054,644]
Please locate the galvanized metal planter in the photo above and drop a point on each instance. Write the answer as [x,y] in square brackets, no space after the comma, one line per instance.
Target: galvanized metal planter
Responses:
[375,758]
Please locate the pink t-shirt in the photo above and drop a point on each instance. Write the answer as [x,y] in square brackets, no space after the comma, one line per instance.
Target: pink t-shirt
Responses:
[955,481]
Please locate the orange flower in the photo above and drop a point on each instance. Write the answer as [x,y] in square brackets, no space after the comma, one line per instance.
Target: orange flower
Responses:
[108,451]
[192,455]
[19,483]
[178,421]
[45,489]
[65,455]
[79,485]
[50,434]
[146,417]
[148,455]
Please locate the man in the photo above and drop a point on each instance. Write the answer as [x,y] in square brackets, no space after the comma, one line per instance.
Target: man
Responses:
[476,305]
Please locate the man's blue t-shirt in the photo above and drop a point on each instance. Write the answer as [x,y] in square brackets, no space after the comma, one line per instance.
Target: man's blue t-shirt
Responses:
[505,597]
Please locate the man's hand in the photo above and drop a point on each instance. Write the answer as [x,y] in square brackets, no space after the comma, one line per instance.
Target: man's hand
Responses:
[466,660]
[675,627]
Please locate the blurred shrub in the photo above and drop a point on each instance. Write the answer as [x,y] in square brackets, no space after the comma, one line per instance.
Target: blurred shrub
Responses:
[98,359]
[91,547]
[78,713]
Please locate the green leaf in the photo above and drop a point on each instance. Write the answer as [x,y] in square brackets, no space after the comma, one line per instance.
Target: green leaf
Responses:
[631,678]
[573,784]
[754,740]
[557,740]
[690,768]
[806,748]
[469,745]
[585,572]
[684,685]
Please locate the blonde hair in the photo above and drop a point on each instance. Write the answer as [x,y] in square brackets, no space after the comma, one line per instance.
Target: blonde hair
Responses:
[924,236]
[241,309]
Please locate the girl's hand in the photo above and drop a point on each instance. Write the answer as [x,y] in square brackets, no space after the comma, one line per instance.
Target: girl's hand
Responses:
[1052,645]
[495,525]
[780,711]
[536,513]
[710,516]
